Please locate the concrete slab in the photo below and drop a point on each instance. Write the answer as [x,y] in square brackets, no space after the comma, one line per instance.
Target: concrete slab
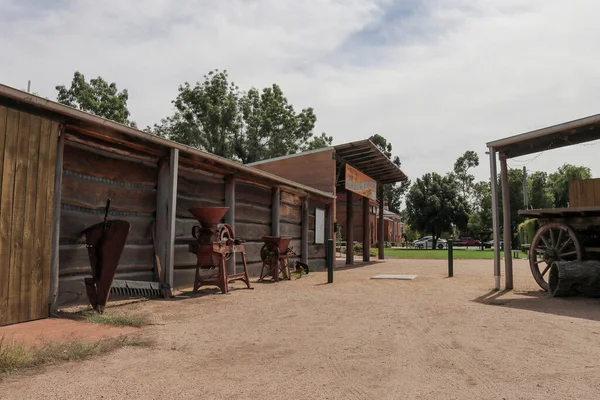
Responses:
[400,277]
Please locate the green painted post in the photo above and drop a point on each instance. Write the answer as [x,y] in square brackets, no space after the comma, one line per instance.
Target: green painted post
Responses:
[330,260]
[450,259]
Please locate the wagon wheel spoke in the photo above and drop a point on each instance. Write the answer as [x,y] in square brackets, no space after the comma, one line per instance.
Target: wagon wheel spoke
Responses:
[548,246]
[564,246]
[560,235]
[553,244]
[540,261]
[571,253]
[546,270]
[540,250]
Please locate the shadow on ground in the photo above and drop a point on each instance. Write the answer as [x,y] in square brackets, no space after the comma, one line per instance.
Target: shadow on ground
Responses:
[540,301]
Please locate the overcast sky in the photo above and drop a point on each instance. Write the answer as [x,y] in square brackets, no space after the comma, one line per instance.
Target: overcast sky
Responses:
[436,77]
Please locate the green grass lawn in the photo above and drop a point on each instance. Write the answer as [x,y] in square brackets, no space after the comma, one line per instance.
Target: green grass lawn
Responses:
[459,254]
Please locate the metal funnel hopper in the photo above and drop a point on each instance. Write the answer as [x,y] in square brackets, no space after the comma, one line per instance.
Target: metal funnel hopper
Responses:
[209,217]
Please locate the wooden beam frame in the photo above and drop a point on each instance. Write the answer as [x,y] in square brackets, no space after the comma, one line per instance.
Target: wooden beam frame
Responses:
[349,228]
[495,217]
[165,214]
[304,241]
[507,224]
[366,230]
[275,212]
[54,262]
[381,226]
[230,216]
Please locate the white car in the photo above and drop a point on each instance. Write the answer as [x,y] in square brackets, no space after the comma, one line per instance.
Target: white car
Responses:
[427,243]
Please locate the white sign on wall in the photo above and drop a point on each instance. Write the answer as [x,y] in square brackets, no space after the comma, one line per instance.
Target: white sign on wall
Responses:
[319,226]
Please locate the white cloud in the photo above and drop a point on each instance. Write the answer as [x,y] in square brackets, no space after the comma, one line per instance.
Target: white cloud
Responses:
[438,77]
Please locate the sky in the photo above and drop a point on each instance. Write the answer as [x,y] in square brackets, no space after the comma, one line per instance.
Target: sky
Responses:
[435,77]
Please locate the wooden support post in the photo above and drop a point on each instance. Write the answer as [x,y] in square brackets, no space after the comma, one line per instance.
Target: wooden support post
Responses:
[275,211]
[366,230]
[380,227]
[165,214]
[349,228]
[507,224]
[304,242]
[230,216]
[495,217]
[54,266]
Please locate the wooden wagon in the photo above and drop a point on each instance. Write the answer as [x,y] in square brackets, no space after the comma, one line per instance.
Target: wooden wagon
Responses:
[563,234]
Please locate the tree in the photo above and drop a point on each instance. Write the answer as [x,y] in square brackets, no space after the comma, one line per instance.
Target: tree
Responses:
[392,193]
[434,205]
[461,170]
[559,182]
[539,194]
[318,142]
[480,220]
[247,126]
[206,115]
[97,97]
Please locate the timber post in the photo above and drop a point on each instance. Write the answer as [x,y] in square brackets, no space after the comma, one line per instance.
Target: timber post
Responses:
[349,228]
[275,211]
[380,227]
[230,216]
[366,230]
[507,223]
[54,263]
[304,241]
[495,217]
[166,213]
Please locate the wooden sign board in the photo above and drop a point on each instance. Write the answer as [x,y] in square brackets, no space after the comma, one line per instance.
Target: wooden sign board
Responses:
[360,183]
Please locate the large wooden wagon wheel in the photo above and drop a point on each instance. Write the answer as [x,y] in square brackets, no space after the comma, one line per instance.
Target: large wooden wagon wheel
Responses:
[554,241]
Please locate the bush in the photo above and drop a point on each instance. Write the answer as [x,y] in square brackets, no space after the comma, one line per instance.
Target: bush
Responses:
[358,250]
[526,231]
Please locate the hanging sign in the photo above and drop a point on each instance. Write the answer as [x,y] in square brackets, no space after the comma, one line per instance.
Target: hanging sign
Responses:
[360,183]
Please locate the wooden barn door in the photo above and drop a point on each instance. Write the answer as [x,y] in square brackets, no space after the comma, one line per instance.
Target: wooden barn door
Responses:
[27,156]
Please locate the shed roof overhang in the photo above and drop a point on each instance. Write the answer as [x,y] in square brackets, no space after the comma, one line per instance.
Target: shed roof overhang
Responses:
[370,160]
[566,134]
[132,138]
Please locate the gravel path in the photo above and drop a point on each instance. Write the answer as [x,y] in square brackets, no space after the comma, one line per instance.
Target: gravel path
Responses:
[430,338]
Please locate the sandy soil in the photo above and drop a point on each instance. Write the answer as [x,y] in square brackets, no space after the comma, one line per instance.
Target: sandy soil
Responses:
[430,338]
[36,333]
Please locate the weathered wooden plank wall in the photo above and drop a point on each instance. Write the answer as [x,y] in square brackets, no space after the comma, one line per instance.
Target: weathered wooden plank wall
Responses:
[195,188]
[584,193]
[28,146]
[252,221]
[90,177]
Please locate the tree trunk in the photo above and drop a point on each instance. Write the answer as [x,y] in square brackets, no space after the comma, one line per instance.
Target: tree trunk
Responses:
[574,278]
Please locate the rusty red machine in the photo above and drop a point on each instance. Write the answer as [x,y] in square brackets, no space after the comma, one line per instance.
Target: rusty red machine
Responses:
[275,255]
[214,245]
[105,243]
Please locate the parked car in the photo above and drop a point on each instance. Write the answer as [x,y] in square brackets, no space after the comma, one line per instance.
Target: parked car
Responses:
[489,244]
[424,238]
[467,241]
[428,243]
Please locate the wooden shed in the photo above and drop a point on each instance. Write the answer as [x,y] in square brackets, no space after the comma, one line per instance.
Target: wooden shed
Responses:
[58,167]
[353,172]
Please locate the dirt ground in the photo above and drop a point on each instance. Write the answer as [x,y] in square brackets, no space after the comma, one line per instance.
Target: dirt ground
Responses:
[430,338]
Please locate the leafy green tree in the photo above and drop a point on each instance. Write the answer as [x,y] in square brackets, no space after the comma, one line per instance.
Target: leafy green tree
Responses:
[559,182]
[206,115]
[318,142]
[392,193]
[271,127]
[434,205]
[217,117]
[539,194]
[480,219]
[96,97]
[463,164]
